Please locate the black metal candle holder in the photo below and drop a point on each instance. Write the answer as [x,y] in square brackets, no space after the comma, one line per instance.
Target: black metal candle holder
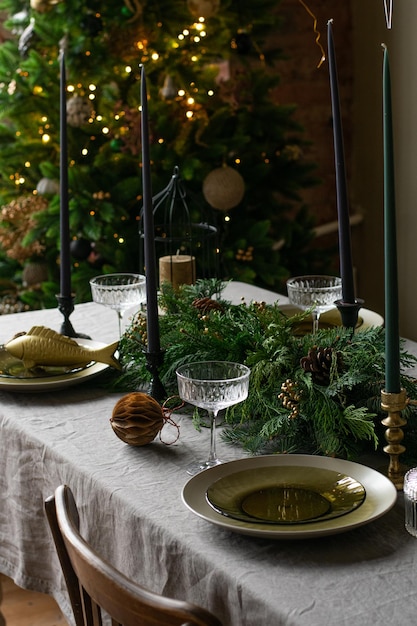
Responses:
[154,361]
[66,307]
[349,312]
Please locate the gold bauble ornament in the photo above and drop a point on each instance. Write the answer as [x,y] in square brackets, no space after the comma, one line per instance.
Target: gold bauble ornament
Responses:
[203,8]
[42,5]
[137,418]
[224,188]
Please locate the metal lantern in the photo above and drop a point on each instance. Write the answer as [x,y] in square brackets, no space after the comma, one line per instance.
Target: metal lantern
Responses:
[186,242]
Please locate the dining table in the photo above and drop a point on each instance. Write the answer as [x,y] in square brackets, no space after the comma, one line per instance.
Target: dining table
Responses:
[132,510]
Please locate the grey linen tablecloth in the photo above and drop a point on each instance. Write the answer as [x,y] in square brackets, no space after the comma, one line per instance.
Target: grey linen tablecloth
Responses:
[131,510]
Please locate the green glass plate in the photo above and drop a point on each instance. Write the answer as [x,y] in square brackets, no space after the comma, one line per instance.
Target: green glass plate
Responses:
[331,319]
[286,495]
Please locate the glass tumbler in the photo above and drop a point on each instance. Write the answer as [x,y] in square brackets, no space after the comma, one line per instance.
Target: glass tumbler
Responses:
[410,501]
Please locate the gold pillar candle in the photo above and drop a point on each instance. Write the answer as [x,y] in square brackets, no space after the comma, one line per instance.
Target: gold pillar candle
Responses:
[177,269]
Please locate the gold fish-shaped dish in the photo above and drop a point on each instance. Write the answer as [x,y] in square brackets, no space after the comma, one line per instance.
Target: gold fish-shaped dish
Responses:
[43,347]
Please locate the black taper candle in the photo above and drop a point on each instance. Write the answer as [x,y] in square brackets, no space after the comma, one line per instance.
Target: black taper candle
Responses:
[153,339]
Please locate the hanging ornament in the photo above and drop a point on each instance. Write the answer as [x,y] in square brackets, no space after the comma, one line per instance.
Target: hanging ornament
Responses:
[18,22]
[79,111]
[34,273]
[116,144]
[224,188]
[203,8]
[388,4]
[133,8]
[92,23]
[42,5]
[47,186]
[27,38]
[242,42]
[168,90]
[137,418]
[80,248]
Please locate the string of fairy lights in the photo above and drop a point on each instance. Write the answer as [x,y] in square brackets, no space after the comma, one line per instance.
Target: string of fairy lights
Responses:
[194,33]
[190,38]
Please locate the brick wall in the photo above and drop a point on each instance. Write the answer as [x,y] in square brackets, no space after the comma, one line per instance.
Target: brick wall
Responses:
[307,86]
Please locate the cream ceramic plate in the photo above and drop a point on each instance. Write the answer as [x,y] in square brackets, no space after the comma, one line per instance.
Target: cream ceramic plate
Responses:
[380,493]
[53,378]
[331,319]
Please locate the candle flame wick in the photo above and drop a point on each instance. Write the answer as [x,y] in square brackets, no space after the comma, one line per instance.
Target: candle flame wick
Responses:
[316,32]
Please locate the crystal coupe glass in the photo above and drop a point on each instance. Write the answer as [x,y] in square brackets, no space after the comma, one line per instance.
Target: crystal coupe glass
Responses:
[212,385]
[119,292]
[318,293]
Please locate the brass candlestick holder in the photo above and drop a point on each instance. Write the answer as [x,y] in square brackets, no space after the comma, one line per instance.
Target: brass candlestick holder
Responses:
[393,404]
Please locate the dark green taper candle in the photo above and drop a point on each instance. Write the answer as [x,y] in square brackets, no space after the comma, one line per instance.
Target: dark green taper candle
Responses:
[392,335]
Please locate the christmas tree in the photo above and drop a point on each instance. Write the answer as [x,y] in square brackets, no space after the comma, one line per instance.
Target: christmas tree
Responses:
[211,80]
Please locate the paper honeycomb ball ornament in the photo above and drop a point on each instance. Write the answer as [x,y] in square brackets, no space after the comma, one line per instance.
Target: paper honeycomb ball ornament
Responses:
[78,111]
[137,418]
[223,188]
[203,8]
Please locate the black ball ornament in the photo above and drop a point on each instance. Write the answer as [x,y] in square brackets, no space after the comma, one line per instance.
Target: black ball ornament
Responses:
[80,248]
[242,42]
[92,23]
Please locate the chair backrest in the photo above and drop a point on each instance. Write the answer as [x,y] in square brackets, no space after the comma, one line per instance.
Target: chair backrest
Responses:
[93,584]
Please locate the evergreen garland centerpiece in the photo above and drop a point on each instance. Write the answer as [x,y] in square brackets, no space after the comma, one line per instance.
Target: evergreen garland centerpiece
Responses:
[311,394]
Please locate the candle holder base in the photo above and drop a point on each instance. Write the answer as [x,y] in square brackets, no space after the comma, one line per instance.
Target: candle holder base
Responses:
[349,312]
[154,361]
[393,404]
[66,307]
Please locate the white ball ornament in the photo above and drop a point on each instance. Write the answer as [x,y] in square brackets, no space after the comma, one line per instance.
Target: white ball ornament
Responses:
[47,186]
[79,111]
[223,188]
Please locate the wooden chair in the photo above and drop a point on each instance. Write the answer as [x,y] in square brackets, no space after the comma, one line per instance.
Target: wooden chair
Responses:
[93,584]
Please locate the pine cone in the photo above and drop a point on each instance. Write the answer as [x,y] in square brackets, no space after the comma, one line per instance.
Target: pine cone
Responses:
[319,362]
[206,304]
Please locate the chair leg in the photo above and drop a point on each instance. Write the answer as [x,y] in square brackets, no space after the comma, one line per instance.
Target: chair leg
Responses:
[69,574]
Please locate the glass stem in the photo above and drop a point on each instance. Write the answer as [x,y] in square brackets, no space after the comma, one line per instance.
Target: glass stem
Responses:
[316,317]
[120,317]
[212,453]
